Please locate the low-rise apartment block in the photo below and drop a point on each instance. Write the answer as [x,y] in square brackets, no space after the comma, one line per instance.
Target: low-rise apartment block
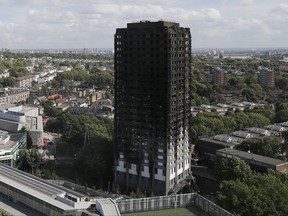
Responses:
[14,117]
[11,146]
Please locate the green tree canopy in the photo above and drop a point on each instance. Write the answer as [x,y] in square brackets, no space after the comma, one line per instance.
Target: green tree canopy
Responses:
[95,162]
[74,127]
[7,81]
[102,79]
[257,195]
[30,159]
[231,169]
[29,137]
[49,109]
[281,116]
[269,146]
[209,124]
[74,74]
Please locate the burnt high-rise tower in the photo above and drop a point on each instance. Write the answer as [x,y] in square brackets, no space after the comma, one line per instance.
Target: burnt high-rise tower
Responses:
[152,106]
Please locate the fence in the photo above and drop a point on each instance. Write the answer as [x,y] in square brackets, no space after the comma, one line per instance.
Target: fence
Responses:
[210,207]
[174,201]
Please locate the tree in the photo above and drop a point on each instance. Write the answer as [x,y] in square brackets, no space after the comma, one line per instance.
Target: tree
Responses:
[250,94]
[207,124]
[18,71]
[282,83]
[34,83]
[269,146]
[281,116]
[94,163]
[237,82]
[74,127]
[236,197]
[102,80]
[49,109]
[29,137]
[75,74]
[257,120]
[198,100]
[282,106]
[259,195]
[29,160]
[232,169]
[8,81]
[55,84]
[267,111]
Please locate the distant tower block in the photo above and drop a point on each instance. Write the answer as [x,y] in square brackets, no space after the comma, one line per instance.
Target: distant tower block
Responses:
[267,78]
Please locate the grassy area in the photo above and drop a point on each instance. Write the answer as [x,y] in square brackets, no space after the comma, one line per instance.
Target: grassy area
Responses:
[189,211]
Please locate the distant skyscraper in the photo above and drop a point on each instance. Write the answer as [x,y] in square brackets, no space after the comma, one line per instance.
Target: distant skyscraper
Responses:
[152,106]
[267,78]
[218,76]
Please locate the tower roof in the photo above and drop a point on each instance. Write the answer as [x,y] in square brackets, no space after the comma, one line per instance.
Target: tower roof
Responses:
[147,23]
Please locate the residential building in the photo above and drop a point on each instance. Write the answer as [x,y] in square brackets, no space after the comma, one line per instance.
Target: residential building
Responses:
[14,96]
[256,162]
[283,68]
[218,77]
[19,96]
[11,146]
[207,147]
[94,96]
[152,106]
[14,117]
[267,78]
[25,81]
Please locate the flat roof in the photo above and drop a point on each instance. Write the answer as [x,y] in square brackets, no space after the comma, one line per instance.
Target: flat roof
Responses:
[147,23]
[259,130]
[26,109]
[249,156]
[243,134]
[33,186]
[12,141]
[7,106]
[211,140]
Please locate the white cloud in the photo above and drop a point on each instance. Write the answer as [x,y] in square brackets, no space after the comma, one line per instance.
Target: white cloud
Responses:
[280,13]
[245,2]
[48,16]
[155,11]
[283,8]
[92,23]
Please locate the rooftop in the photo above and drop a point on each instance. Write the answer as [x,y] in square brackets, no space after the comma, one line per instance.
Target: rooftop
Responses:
[259,131]
[36,187]
[215,141]
[11,142]
[147,23]
[249,156]
[10,126]
[242,134]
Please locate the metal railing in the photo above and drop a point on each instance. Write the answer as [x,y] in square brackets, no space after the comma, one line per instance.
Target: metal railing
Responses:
[168,202]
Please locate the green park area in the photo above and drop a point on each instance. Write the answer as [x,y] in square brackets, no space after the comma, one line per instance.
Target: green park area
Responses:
[189,211]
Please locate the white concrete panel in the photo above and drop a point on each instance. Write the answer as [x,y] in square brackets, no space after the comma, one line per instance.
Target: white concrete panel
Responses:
[159,175]
[145,173]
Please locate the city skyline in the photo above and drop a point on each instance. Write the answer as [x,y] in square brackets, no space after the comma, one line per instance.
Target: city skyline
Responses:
[55,24]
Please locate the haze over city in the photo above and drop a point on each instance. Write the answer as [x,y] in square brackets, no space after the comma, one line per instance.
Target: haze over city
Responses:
[50,24]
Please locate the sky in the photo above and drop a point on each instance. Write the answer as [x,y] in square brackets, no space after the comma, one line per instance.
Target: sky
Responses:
[67,24]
